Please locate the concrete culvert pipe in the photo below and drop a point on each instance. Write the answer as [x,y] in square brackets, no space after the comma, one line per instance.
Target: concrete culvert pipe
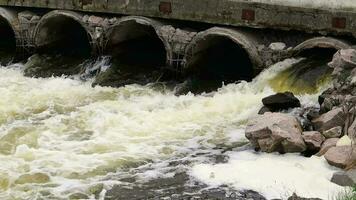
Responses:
[8,34]
[63,43]
[311,72]
[324,45]
[221,55]
[63,32]
[138,52]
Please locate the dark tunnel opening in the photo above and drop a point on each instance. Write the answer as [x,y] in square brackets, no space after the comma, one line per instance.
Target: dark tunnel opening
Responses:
[7,42]
[63,35]
[138,56]
[218,60]
[63,44]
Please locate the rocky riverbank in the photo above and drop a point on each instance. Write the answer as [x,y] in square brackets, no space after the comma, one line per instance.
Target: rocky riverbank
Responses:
[329,131]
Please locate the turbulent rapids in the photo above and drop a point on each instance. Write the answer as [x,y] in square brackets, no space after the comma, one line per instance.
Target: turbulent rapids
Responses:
[61,138]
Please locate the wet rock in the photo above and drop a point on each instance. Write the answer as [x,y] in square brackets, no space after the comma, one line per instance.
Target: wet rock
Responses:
[343,178]
[313,140]
[275,132]
[340,156]
[331,119]
[296,197]
[263,110]
[281,101]
[327,145]
[334,132]
[312,113]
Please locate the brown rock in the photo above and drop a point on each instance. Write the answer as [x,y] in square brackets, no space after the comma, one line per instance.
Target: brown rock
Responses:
[313,140]
[331,119]
[272,132]
[345,58]
[334,132]
[340,156]
[327,145]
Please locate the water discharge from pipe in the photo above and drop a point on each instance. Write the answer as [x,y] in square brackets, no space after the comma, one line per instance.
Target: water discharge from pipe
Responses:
[62,138]
[63,46]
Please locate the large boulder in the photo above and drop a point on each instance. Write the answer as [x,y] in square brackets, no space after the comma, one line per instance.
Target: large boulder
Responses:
[344,59]
[331,119]
[313,140]
[341,156]
[345,178]
[327,145]
[281,101]
[275,132]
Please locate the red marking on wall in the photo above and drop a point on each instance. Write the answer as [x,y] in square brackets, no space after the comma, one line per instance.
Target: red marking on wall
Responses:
[248,15]
[339,22]
[165,7]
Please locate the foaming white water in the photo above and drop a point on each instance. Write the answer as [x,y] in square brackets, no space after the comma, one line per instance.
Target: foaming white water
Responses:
[272,175]
[60,136]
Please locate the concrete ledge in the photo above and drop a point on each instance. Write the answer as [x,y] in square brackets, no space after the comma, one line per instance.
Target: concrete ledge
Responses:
[325,18]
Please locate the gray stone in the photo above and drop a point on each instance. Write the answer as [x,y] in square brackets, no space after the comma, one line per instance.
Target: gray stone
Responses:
[272,132]
[95,20]
[334,132]
[277,46]
[351,132]
[281,101]
[343,178]
[331,119]
[26,15]
[327,145]
[344,58]
[341,156]
[313,140]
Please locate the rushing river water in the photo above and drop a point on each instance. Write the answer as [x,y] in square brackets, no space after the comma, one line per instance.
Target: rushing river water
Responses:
[62,138]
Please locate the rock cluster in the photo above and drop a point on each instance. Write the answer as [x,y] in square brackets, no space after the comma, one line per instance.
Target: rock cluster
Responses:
[332,130]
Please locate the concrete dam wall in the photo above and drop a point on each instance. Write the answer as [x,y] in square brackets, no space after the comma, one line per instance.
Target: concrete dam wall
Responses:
[241,37]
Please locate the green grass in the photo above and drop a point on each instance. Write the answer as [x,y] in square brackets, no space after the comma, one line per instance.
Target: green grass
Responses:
[349,194]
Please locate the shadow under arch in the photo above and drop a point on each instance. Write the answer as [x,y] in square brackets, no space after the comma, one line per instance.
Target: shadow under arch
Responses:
[220,55]
[139,52]
[9,35]
[62,43]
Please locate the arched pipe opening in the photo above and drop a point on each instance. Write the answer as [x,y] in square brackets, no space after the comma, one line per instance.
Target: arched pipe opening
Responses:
[62,43]
[218,56]
[312,71]
[8,35]
[138,52]
[322,46]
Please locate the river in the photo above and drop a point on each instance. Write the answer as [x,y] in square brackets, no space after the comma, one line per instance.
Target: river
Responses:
[61,138]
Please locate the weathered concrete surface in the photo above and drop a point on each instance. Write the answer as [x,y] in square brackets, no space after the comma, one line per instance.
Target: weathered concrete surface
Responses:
[323,17]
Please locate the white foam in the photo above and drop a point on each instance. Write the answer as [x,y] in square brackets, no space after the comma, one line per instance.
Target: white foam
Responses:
[272,175]
[77,134]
